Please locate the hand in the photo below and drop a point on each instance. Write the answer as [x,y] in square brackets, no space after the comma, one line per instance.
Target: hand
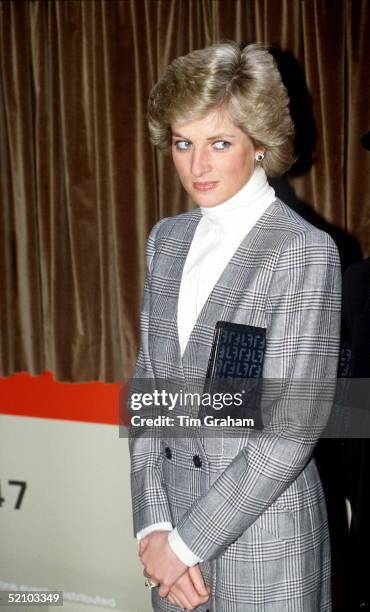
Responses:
[160,562]
[190,590]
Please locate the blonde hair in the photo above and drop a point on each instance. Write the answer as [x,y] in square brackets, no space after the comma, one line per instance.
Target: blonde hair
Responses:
[245,82]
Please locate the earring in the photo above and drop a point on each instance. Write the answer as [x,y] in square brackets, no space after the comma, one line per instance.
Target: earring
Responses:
[260,156]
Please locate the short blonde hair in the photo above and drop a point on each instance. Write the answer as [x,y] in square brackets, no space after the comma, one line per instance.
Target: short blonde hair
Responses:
[243,81]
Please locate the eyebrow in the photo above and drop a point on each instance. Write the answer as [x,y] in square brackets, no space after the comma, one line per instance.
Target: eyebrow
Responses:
[215,137]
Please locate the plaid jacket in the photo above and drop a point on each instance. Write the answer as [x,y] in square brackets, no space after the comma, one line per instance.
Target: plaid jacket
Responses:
[250,505]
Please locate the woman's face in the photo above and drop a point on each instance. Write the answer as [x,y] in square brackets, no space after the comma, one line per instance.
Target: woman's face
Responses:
[213,157]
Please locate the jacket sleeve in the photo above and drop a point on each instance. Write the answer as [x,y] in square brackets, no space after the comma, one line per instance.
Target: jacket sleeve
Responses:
[149,497]
[302,332]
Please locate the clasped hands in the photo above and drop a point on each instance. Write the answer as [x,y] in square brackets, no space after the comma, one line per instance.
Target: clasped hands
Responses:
[182,585]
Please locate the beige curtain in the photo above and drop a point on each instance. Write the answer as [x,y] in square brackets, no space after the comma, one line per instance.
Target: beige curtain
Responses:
[81,186]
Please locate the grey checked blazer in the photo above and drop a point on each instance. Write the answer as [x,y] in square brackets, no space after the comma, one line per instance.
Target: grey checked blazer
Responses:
[252,507]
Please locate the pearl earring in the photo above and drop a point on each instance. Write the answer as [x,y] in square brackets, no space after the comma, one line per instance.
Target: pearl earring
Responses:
[260,156]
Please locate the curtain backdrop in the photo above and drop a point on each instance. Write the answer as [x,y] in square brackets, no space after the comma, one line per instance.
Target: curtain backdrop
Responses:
[81,186]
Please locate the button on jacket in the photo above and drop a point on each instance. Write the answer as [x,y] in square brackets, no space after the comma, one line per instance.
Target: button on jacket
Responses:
[254,510]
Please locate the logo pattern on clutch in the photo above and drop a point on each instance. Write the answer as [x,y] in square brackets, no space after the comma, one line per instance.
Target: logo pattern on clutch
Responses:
[235,364]
[240,351]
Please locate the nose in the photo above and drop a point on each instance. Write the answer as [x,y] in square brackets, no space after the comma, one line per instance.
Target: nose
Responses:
[200,162]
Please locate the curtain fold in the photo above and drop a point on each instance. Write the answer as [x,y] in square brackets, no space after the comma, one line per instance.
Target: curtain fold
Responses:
[80,185]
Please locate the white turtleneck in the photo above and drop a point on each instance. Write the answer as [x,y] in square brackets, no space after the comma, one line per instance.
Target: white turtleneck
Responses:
[219,233]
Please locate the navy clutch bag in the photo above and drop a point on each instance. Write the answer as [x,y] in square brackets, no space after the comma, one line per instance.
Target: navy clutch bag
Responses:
[235,367]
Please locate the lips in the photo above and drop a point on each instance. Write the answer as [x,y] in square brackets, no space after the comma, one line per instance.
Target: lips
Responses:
[205,186]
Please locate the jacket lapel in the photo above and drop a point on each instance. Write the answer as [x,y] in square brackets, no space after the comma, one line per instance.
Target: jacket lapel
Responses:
[180,238]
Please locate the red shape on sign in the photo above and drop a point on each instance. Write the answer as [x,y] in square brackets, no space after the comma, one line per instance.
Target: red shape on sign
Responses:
[41,396]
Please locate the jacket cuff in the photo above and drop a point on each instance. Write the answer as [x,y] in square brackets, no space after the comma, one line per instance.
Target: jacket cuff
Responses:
[163,526]
[181,550]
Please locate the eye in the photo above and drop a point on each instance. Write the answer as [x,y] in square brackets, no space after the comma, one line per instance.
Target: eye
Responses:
[221,145]
[182,145]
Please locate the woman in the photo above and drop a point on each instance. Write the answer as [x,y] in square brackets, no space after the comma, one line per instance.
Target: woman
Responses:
[234,523]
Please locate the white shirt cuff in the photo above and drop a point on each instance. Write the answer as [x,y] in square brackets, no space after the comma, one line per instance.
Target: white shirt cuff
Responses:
[164,526]
[182,551]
